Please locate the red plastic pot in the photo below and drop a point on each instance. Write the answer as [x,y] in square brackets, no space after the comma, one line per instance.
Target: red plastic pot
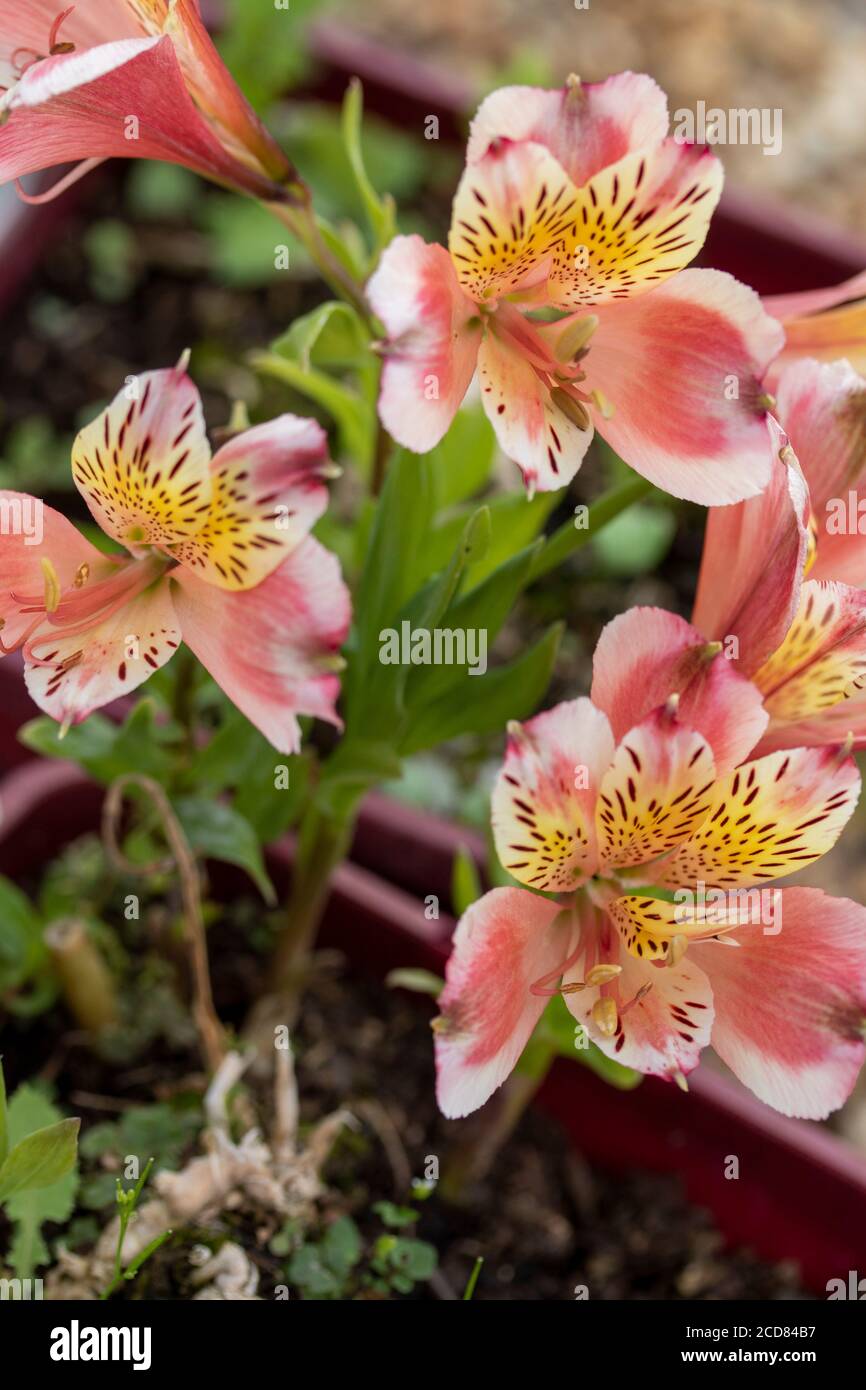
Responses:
[801,1193]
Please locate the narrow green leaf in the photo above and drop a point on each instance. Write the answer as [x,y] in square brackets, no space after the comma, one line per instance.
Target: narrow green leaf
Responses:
[465,882]
[380,211]
[4,1119]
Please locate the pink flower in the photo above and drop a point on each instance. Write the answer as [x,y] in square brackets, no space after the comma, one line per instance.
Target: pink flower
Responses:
[219,556]
[824,325]
[129,78]
[801,640]
[574,202]
[615,824]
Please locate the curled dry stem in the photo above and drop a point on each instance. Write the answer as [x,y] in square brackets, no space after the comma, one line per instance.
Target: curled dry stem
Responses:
[210,1030]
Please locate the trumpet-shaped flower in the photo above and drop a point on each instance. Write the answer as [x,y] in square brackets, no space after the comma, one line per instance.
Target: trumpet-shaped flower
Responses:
[564,286]
[217,554]
[783,576]
[635,835]
[129,78]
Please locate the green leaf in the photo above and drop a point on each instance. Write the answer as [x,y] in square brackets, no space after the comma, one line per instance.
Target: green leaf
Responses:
[462,461]
[219,832]
[353,415]
[394,1216]
[341,1246]
[29,1110]
[40,1159]
[380,211]
[465,882]
[330,336]
[416,1259]
[514,523]
[104,749]
[484,704]
[416,980]
[21,947]
[4,1118]
[308,1270]
[636,541]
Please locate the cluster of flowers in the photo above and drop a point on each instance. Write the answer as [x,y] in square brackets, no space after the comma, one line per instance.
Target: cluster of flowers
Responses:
[717,752]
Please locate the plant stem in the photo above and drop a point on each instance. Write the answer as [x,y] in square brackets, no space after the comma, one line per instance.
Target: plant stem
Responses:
[301,222]
[210,1030]
[86,982]
[323,845]
[569,538]
[486,1133]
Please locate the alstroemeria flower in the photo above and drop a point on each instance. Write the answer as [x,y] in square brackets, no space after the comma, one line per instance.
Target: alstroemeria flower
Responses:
[801,640]
[825,325]
[219,556]
[128,78]
[614,829]
[574,202]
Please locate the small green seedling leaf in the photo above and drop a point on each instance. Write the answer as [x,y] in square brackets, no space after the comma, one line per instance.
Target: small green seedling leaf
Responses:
[40,1159]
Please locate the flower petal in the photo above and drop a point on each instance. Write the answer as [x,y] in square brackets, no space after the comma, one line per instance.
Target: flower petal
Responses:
[31,533]
[790,1006]
[272,648]
[142,465]
[503,944]
[511,209]
[585,126]
[646,655]
[663,1016]
[648,925]
[682,367]
[771,817]
[433,331]
[654,793]
[124,99]
[266,494]
[635,224]
[822,660]
[752,563]
[83,672]
[822,409]
[543,800]
[533,429]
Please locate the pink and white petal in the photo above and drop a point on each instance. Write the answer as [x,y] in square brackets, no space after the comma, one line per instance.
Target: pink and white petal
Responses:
[267,492]
[544,797]
[142,466]
[822,660]
[752,563]
[668,362]
[503,944]
[78,674]
[647,654]
[79,106]
[25,25]
[664,1016]
[272,649]
[791,1006]
[804,303]
[433,336]
[547,444]
[32,532]
[585,126]
[822,408]
[655,792]
[635,224]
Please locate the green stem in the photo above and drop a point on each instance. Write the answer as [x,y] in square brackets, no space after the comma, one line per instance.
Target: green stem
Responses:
[322,847]
[569,538]
[301,222]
